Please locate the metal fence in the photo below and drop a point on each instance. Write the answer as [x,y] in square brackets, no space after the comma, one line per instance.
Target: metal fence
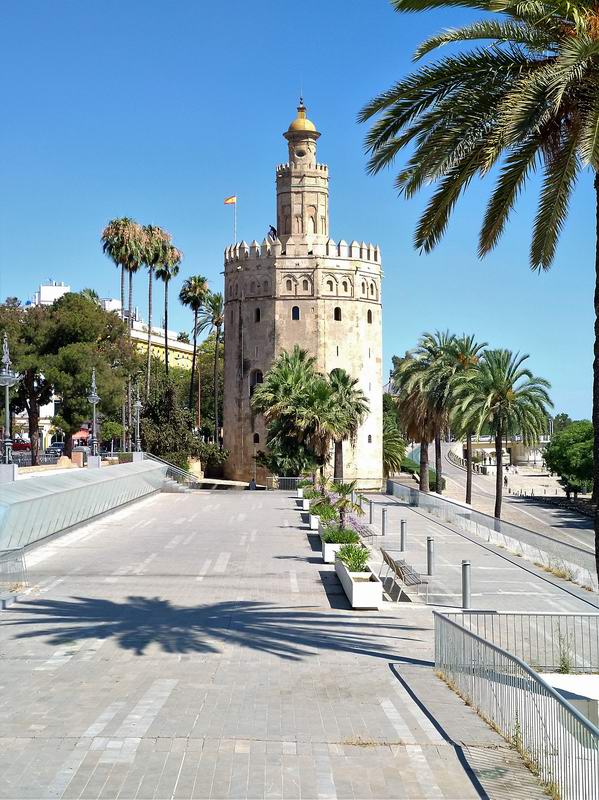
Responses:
[576,563]
[548,642]
[283,483]
[546,729]
[23,458]
[13,570]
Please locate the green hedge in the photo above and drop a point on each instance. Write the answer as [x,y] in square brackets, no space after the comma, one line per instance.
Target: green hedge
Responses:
[412,468]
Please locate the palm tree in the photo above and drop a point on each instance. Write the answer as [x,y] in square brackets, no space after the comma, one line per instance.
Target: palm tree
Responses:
[212,316]
[431,354]
[164,272]
[506,397]
[192,294]
[344,504]
[463,357]
[156,248]
[121,241]
[91,295]
[394,447]
[352,402]
[527,99]
[414,409]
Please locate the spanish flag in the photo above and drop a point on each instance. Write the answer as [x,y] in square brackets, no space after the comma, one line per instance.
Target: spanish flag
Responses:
[229,201]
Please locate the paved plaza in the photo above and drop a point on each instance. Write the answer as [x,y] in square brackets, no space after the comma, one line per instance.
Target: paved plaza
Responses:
[195,646]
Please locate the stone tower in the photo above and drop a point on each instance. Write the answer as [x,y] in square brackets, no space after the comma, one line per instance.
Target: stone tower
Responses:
[302,288]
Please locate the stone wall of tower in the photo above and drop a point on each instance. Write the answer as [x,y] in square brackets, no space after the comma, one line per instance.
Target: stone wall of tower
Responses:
[302,288]
[337,289]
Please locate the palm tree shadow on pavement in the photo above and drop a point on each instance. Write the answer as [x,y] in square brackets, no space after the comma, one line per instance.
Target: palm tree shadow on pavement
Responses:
[138,622]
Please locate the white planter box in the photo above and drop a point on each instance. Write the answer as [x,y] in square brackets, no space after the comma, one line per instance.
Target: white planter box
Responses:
[329,551]
[305,505]
[300,493]
[363,589]
[314,522]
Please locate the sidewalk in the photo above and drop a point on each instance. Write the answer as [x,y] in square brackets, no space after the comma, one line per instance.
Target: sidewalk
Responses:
[500,581]
[195,646]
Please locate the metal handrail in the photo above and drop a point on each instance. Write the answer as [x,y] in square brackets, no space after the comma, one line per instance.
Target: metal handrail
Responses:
[561,743]
[178,474]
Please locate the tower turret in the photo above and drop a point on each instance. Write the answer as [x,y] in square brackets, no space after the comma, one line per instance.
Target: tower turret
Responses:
[302,184]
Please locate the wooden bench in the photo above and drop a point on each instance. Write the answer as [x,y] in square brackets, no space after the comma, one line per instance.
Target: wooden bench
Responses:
[404,575]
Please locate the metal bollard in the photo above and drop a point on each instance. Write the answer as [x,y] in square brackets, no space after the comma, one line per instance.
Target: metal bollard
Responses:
[465,584]
[430,555]
[371,513]
[403,534]
[384,522]
[353,498]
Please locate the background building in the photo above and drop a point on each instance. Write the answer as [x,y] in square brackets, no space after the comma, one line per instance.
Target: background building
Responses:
[302,288]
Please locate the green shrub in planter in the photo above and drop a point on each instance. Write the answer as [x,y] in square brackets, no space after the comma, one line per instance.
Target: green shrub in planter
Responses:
[354,556]
[303,484]
[340,536]
[125,458]
[324,509]
[310,493]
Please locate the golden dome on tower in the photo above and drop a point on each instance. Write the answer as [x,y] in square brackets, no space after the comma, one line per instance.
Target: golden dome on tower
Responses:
[301,122]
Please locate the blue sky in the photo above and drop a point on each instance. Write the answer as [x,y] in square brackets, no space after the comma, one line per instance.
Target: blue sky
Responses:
[158,110]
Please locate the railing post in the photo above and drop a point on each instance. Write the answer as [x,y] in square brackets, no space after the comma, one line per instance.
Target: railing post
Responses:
[430,555]
[370,512]
[465,584]
[384,522]
[403,535]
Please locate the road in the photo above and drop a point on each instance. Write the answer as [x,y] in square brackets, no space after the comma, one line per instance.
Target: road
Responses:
[527,512]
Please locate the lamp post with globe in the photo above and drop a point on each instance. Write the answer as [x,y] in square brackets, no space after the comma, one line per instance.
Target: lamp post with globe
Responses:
[94,398]
[8,378]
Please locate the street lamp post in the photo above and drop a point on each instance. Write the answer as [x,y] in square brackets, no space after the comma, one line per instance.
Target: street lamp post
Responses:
[94,399]
[8,378]
[137,406]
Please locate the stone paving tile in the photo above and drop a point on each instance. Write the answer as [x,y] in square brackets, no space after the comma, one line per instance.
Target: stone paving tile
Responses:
[164,653]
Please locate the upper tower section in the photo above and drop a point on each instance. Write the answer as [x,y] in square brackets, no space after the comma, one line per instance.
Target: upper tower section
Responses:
[302,185]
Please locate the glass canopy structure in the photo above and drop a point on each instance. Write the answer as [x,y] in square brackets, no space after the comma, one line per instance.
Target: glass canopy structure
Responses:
[35,508]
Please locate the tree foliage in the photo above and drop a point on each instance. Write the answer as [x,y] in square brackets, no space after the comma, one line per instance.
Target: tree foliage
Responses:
[570,455]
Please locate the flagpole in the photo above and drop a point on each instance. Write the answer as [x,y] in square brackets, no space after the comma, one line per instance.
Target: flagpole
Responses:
[235,221]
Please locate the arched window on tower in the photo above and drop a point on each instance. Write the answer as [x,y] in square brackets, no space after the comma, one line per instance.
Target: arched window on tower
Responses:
[256,438]
[305,286]
[330,286]
[257,315]
[372,289]
[337,314]
[369,316]
[369,439]
[295,313]
[345,286]
[256,377]
[363,287]
[289,285]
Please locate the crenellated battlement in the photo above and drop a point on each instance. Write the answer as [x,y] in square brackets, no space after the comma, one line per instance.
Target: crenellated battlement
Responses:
[284,169]
[301,248]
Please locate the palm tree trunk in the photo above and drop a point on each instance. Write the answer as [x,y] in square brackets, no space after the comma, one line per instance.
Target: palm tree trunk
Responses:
[149,361]
[596,383]
[424,466]
[215,378]
[469,468]
[166,327]
[193,362]
[122,292]
[129,392]
[499,474]
[338,470]
[438,465]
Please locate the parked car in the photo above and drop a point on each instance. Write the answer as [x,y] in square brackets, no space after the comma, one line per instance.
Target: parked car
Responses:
[56,449]
[20,444]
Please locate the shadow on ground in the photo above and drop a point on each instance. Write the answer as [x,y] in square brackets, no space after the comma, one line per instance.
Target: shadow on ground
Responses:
[138,622]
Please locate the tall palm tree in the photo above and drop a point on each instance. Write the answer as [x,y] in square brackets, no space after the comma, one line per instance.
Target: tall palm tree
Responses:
[156,248]
[192,294]
[121,241]
[463,357]
[414,408]
[91,295]
[394,446]
[165,271]
[506,397]
[352,402]
[212,316]
[526,99]
[431,354]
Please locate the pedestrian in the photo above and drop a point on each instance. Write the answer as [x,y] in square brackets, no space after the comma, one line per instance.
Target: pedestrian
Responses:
[505,481]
